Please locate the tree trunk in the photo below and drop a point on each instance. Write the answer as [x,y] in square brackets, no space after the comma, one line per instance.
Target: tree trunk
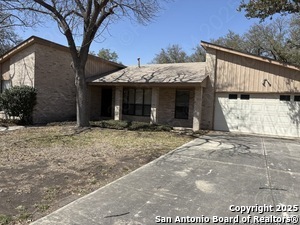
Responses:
[81,98]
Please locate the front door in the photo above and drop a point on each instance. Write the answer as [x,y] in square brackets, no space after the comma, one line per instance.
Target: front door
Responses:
[106,103]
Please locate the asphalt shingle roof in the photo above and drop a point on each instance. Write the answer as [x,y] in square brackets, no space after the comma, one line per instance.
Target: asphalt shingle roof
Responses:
[156,73]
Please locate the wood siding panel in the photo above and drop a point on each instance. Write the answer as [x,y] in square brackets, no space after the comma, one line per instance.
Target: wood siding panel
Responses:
[242,77]
[259,77]
[96,67]
[240,74]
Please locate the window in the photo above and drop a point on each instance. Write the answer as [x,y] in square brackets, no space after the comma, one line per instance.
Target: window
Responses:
[5,84]
[182,104]
[137,101]
[232,96]
[297,98]
[285,98]
[245,97]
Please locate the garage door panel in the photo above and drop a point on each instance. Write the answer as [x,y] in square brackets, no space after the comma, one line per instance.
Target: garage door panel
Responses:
[284,120]
[254,118]
[269,120]
[271,108]
[262,114]
[256,107]
[220,120]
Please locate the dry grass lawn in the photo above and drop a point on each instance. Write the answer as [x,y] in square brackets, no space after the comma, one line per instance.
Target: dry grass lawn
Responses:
[44,168]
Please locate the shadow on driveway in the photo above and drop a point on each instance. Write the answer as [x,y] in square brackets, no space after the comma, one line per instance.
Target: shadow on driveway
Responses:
[205,180]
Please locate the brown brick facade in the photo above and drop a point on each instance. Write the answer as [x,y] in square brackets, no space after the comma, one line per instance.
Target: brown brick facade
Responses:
[47,67]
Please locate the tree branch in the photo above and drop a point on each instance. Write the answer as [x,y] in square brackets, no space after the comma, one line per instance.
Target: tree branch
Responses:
[80,6]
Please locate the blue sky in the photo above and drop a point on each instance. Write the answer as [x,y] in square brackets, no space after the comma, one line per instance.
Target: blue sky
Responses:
[181,22]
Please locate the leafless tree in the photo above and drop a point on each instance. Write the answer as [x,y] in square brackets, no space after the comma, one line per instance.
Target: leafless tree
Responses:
[80,20]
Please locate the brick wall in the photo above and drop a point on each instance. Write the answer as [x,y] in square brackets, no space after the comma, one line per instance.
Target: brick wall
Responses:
[56,98]
[95,98]
[55,84]
[22,67]
[166,108]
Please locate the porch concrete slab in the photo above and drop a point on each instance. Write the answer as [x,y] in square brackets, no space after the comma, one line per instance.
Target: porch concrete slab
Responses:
[200,179]
[11,128]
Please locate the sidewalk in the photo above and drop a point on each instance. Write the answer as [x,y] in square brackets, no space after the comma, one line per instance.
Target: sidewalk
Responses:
[10,128]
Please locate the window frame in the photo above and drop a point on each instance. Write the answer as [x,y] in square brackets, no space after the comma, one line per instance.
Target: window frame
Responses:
[233,96]
[180,109]
[245,97]
[4,85]
[132,107]
[296,98]
[285,98]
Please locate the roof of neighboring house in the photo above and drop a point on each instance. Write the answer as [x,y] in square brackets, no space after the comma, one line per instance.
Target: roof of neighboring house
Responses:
[248,55]
[33,40]
[183,73]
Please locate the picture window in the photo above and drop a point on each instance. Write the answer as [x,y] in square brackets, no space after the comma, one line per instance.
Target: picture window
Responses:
[137,101]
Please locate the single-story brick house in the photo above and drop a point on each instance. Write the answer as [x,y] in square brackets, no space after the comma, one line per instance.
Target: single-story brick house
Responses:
[231,91]
[47,67]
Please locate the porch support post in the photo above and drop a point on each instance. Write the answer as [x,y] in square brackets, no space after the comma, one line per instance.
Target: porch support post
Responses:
[154,105]
[197,108]
[118,103]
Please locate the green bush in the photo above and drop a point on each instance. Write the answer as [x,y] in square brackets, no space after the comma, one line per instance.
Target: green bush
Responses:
[111,124]
[134,125]
[19,101]
[4,219]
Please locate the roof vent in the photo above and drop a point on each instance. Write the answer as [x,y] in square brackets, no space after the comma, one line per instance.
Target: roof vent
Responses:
[139,62]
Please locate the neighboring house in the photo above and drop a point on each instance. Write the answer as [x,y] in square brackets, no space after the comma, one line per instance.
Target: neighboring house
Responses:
[47,67]
[231,91]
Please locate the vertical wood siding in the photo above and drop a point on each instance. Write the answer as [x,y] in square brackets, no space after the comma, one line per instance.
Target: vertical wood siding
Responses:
[96,67]
[240,74]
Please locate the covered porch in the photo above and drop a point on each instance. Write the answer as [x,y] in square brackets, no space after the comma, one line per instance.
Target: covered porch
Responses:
[169,94]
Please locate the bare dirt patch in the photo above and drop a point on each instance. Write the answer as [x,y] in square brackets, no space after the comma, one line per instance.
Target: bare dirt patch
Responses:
[42,169]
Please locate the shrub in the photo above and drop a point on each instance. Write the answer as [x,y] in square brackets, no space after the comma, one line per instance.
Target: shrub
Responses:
[112,124]
[19,101]
[134,125]
[4,219]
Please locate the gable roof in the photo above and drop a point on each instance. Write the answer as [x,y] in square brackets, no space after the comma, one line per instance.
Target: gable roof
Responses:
[183,73]
[37,40]
[248,55]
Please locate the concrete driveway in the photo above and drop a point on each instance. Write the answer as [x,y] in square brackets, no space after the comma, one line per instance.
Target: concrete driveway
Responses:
[209,180]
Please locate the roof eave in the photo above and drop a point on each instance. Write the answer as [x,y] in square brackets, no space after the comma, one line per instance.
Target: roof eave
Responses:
[248,55]
[33,39]
[151,84]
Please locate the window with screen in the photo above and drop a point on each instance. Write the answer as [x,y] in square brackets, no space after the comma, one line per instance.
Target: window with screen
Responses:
[182,104]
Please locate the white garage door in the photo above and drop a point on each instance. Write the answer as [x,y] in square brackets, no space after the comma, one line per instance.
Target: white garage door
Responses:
[271,114]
